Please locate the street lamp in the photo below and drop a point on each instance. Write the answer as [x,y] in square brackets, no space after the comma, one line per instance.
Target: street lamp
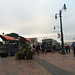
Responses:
[60,15]
[56,26]
[3,33]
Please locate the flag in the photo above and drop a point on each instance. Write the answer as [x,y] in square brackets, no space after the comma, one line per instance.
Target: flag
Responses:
[59,35]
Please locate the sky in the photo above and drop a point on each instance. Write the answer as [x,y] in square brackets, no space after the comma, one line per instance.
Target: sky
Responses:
[36,18]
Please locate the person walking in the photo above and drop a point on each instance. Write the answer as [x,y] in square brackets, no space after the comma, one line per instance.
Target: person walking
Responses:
[54,48]
[42,46]
[66,48]
[74,48]
[37,48]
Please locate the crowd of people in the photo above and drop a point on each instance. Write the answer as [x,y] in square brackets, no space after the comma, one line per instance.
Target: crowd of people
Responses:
[67,48]
[39,48]
[42,48]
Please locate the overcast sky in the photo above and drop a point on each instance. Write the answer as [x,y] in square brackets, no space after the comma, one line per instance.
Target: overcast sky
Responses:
[35,18]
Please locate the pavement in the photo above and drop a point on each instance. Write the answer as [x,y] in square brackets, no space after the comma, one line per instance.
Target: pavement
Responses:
[42,64]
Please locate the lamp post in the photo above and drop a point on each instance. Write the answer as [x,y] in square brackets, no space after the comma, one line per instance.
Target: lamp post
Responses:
[3,33]
[56,26]
[60,15]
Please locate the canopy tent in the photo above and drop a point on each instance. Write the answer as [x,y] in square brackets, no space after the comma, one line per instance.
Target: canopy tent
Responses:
[24,39]
[6,38]
[27,39]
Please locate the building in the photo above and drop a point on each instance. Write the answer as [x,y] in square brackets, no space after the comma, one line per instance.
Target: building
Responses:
[49,42]
[33,40]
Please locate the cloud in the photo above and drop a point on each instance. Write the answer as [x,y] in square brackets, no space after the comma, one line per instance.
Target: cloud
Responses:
[42,36]
[35,17]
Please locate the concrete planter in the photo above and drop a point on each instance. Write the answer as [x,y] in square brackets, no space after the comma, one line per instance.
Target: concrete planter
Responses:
[29,55]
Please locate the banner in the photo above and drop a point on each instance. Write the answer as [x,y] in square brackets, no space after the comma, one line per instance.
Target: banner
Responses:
[59,36]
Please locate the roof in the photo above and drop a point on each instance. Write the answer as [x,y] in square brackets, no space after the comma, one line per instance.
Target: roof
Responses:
[6,38]
[27,39]
[24,39]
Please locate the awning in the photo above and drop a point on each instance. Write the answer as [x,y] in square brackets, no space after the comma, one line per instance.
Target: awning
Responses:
[24,39]
[27,39]
[6,38]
